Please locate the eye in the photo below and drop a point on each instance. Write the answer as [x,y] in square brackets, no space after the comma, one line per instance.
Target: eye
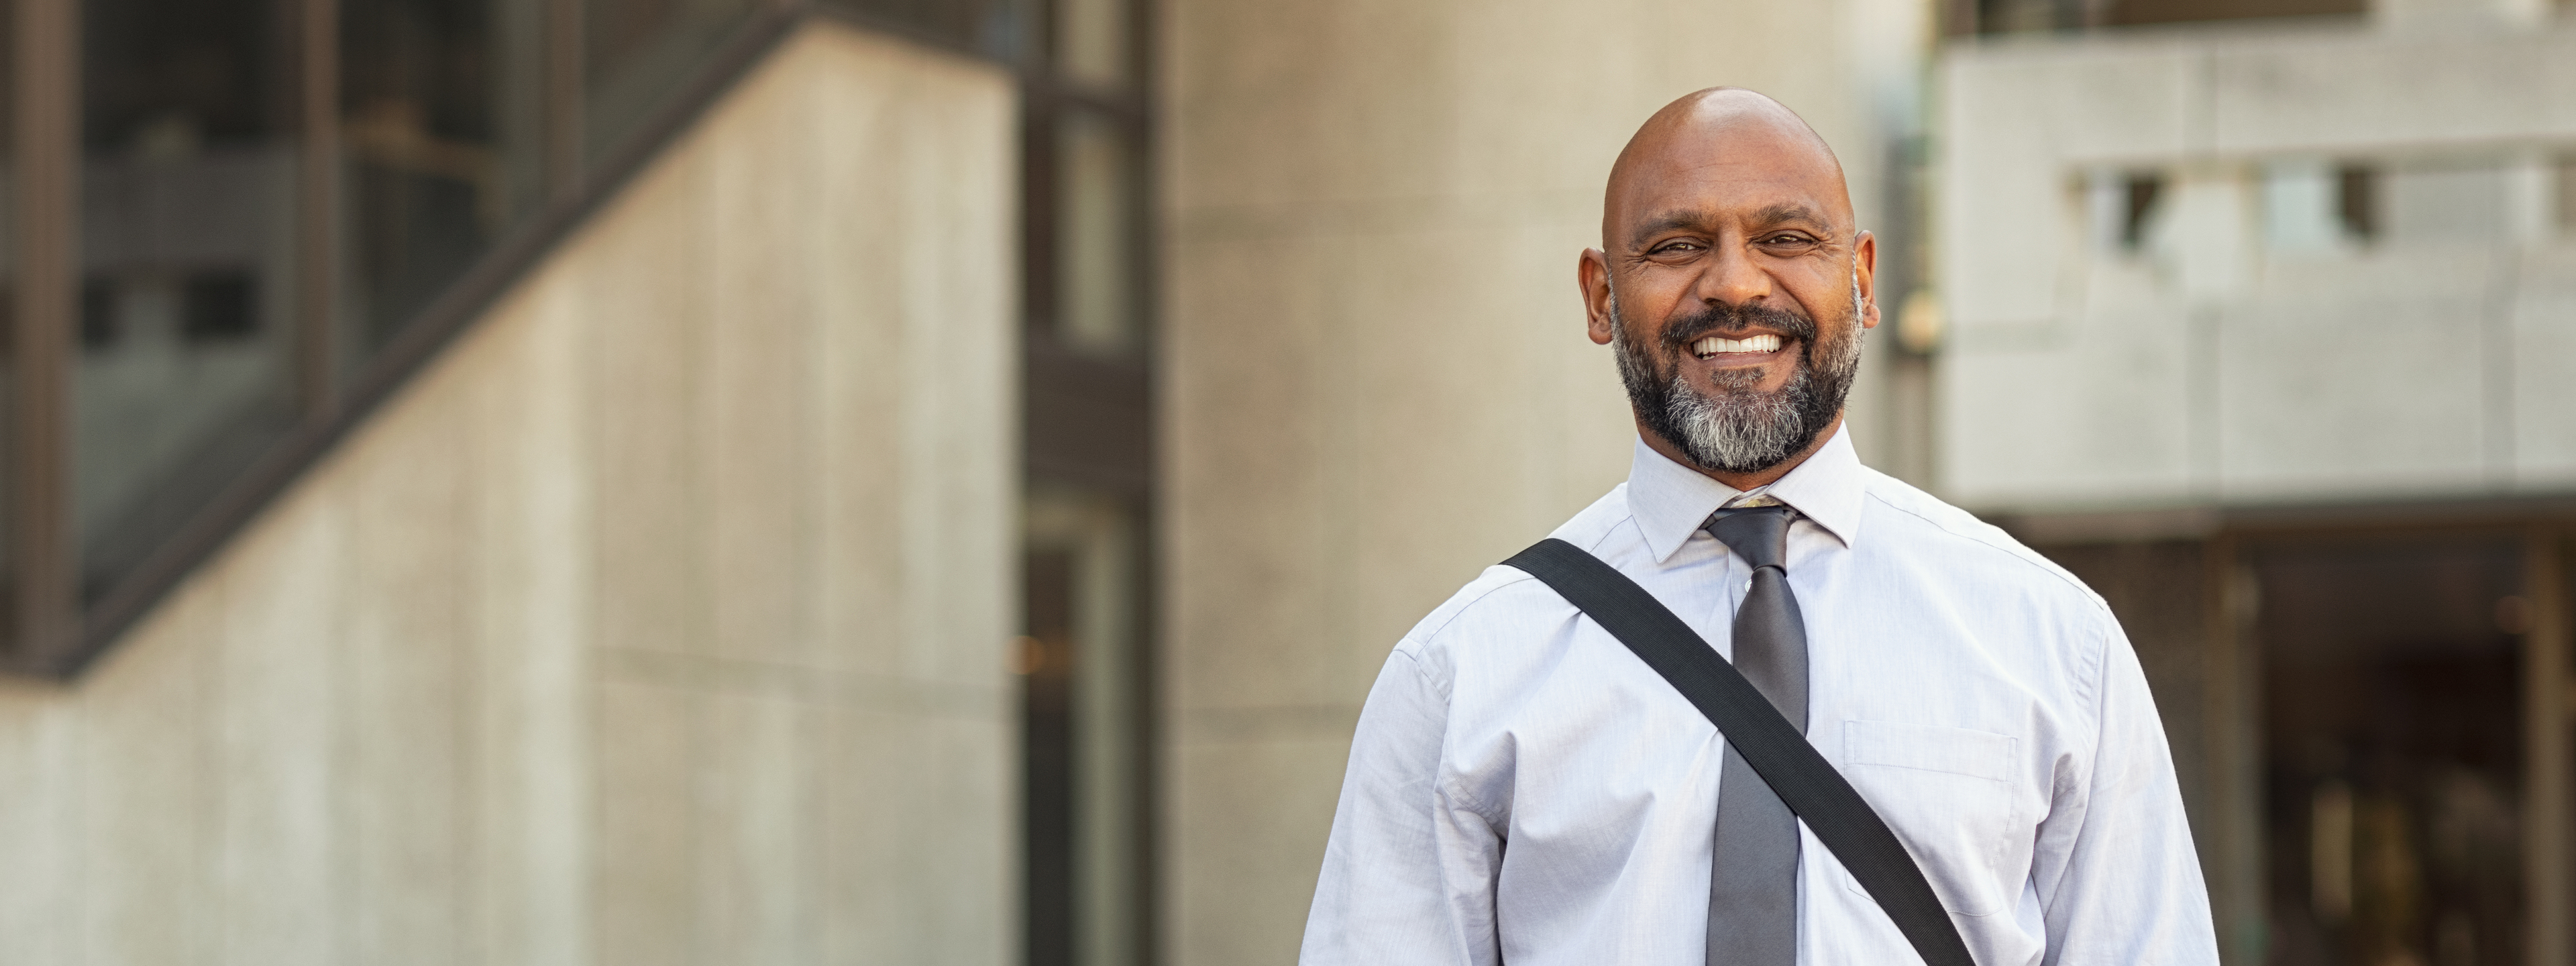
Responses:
[1676,247]
[1787,238]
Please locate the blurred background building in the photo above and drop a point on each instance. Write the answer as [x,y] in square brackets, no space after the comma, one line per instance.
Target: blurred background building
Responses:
[2264,328]
[930,481]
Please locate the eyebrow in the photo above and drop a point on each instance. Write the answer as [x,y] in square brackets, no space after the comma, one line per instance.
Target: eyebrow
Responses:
[1668,221]
[1789,212]
[1779,214]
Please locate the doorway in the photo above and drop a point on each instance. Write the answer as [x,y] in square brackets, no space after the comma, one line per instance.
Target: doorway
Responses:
[2393,740]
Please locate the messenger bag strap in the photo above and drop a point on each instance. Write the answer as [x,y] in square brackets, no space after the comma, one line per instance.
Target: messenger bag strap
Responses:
[1767,741]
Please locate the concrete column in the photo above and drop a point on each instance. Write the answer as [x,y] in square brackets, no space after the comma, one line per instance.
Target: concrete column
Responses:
[1376,378]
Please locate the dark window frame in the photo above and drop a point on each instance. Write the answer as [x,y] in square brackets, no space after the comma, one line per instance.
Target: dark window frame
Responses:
[1087,415]
[46,630]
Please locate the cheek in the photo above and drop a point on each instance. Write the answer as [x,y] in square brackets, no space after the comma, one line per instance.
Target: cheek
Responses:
[1645,336]
[1835,346]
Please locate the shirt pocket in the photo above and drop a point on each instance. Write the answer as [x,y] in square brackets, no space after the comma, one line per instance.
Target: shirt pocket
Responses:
[1945,793]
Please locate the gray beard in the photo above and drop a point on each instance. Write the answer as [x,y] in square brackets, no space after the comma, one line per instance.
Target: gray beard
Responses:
[1741,429]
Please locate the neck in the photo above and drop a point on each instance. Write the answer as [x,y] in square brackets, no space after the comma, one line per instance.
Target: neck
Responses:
[1742,481]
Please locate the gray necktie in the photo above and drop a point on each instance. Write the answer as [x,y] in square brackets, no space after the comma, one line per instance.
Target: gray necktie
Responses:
[1753,879]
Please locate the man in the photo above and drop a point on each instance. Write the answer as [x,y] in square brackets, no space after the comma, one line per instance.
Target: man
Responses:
[1523,789]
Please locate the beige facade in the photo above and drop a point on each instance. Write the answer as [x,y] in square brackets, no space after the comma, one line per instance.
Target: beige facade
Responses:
[2296,319]
[1375,377]
[661,621]
[2223,345]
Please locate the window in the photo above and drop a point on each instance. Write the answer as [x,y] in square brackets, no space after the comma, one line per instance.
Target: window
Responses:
[440,131]
[2351,711]
[189,207]
[1099,304]
[1095,43]
[2392,731]
[1086,656]
[1081,668]
[2016,16]
[256,219]
[2303,207]
[2126,12]
[635,53]
[2123,207]
[2357,201]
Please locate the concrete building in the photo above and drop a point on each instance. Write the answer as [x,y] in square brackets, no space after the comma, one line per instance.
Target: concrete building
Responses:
[2263,326]
[750,481]
[657,619]
[737,482]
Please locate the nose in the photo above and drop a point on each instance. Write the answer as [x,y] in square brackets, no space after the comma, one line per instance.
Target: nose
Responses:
[1733,277]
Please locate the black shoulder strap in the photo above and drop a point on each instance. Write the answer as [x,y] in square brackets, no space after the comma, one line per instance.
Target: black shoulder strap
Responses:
[1805,781]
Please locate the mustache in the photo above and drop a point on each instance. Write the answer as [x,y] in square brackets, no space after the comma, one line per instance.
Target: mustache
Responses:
[1721,318]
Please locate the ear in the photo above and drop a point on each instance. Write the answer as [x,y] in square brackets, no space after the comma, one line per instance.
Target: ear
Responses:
[1592,272]
[1865,271]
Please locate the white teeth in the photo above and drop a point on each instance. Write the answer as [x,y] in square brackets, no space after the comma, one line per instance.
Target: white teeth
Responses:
[1714,345]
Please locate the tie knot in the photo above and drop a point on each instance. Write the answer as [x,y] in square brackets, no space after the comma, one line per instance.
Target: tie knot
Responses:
[1758,534]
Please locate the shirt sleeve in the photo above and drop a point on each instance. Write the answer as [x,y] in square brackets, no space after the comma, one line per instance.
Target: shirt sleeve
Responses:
[2119,879]
[1409,873]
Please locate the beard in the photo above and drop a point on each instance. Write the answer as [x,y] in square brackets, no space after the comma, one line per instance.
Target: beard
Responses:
[1739,429]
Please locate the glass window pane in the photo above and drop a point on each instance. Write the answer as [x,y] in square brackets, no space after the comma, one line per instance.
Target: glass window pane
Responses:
[1093,42]
[1045,661]
[2300,207]
[1099,303]
[2392,735]
[987,25]
[8,314]
[1082,718]
[638,53]
[2125,12]
[440,127]
[188,207]
[2124,208]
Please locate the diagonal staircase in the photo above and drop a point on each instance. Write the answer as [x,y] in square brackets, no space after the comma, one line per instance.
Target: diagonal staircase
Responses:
[263,253]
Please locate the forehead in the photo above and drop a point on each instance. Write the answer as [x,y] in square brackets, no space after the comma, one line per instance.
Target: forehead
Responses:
[1744,170]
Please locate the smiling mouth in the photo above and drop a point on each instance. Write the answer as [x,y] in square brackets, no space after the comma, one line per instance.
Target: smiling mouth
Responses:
[1713,346]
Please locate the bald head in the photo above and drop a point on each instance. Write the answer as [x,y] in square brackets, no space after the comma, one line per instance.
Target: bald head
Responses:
[1733,282]
[1724,131]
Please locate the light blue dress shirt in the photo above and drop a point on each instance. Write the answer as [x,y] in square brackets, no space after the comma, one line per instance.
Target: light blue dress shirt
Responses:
[1524,790]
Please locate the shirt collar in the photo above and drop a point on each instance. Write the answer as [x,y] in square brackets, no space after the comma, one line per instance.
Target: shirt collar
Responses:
[1671,501]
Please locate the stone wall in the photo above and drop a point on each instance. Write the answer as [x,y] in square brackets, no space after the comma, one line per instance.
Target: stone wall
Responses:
[1375,378]
[2236,344]
[661,621]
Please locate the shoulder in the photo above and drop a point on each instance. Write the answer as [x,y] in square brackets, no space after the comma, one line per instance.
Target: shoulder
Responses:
[1954,538]
[1505,603]
[2027,610]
